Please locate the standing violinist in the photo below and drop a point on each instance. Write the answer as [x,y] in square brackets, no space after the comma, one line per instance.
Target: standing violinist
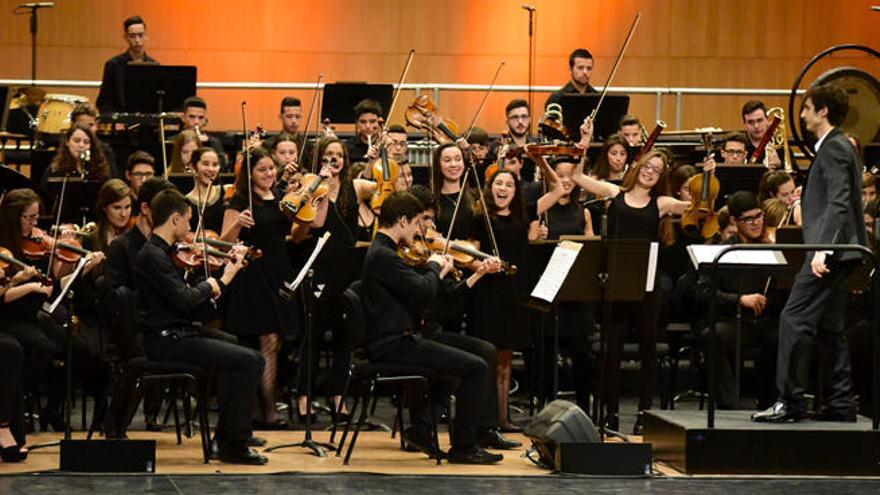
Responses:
[449,168]
[168,303]
[207,195]
[580,65]
[366,128]
[634,213]
[255,312]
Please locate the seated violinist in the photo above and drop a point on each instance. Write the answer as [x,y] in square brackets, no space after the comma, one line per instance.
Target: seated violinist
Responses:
[753,295]
[394,295]
[779,184]
[169,303]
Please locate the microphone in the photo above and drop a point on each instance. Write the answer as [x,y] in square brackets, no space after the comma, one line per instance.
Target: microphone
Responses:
[589,202]
[530,8]
[86,156]
[37,5]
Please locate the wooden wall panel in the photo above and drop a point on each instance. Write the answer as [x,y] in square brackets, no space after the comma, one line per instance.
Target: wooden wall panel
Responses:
[681,43]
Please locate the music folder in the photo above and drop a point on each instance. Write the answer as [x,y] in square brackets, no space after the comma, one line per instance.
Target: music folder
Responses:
[576,107]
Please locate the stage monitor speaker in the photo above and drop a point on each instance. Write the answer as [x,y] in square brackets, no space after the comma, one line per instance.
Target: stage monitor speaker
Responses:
[108,456]
[567,441]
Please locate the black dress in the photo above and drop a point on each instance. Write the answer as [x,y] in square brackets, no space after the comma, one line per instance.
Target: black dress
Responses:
[464,219]
[213,214]
[253,306]
[500,316]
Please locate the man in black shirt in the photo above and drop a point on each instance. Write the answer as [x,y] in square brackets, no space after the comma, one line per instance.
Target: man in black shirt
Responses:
[111,96]
[754,115]
[394,296]
[580,64]
[168,303]
[366,127]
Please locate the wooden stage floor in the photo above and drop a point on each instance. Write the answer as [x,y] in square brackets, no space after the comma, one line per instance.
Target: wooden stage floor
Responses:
[376,452]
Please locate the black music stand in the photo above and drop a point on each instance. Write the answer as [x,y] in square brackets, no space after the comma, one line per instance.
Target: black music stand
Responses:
[737,178]
[576,107]
[604,271]
[79,198]
[340,98]
[151,88]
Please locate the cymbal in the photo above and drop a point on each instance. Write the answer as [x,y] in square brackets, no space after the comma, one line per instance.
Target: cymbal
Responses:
[26,96]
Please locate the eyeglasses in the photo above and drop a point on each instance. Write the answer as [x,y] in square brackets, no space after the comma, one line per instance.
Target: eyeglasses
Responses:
[142,175]
[734,152]
[653,169]
[752,219]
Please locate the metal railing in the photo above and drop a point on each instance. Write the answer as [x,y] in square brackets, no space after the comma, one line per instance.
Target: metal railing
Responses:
[659,92]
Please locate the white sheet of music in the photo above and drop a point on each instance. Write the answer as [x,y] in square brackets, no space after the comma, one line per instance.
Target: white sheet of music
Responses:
[556,271]
[308,266]
[50,308]
[652,266]
[705,254]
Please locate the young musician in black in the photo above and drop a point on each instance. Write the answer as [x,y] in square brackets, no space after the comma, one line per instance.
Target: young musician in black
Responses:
[580,64]
[393,296]
[814,313]
[168,303]
[111,96]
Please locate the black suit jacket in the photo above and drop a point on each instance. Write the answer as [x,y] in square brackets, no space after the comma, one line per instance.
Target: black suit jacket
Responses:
[832,201]
[111,96]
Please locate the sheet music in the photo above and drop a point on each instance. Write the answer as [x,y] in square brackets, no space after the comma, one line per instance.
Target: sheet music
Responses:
[308,266]
[652,266]
[557,269]
[705,254]
[50,308]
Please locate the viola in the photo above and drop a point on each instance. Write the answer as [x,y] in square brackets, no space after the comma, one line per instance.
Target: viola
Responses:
[385,173]
[302,204]
[7,259]
[39,245]
[700,218]
[463,252]
[422,114]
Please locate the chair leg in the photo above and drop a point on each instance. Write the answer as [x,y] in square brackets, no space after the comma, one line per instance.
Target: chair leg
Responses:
[338,410]
[434,429]
[84,408]
[368,393]
[352,413]
[176,420]
[187,412]
[398,418]
[204,426]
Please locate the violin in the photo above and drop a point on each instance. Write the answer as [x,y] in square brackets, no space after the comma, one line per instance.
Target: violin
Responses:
[212,238]
[505,153]
[700,219]
[421,115]
[7,259]
[302,204]
[418,253]
[463,252]
[191,255]
[39,245]
[536,150]
[385,173]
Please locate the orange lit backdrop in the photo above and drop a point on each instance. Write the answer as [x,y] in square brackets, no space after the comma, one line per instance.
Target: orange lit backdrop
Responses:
[680,43]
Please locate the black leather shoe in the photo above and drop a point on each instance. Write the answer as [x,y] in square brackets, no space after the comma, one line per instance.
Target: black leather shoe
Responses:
[417,442]
[493,439]
[473,455]
[612,422]
[780,412]
[836,416]
[256,442]
[241,455]
[639,427]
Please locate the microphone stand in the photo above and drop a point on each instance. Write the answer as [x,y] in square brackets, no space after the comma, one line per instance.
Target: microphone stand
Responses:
[21,9]
[532,53]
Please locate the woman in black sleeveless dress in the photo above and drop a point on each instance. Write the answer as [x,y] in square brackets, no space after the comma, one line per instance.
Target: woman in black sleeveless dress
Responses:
[254,310]
[207,195]
[634,213]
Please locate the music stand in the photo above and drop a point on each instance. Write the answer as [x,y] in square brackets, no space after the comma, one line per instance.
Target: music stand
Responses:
[737,178]
[79,199]
[577,107]
[340,98]
[603,271]
[151,88]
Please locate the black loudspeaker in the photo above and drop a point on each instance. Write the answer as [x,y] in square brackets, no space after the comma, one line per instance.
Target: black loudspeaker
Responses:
[108,456]
[567,441]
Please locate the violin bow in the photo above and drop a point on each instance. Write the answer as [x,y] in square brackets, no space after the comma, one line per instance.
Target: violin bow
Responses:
[409,59]
[629,36]
[302,151]
[485,209]
[483,103]
[319,95]
[200,227]
[57,227]
[467,172]
[247,156]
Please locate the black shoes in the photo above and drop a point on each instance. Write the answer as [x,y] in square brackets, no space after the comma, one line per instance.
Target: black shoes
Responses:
[13,454]
[612,422]
[473,455]
[780,412]
[414,441]
[836,416]
[639,427]
[256,442]
[493,439]
[241,454]
[277,425]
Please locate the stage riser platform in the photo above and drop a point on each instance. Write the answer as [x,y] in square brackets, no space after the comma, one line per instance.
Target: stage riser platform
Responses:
[738,446]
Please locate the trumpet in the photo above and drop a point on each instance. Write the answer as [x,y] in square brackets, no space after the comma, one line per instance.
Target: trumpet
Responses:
[779,139]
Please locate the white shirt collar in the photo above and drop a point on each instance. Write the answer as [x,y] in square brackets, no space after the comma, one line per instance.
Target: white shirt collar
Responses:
[822,139]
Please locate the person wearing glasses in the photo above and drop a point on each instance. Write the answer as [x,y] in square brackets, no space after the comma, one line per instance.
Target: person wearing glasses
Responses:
[111,96]
[733,150]
[519,119]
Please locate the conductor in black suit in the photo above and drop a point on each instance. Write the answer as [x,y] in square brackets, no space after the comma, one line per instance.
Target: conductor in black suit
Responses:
[832,212]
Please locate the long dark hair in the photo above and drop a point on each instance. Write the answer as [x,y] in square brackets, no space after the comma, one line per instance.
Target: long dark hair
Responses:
[65,163]
[469,199]
[602,169]
[241,180]
[13,205]
[517,207]
[112,191]
[346,200]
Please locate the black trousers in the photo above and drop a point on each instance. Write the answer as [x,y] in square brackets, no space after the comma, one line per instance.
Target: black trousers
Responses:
[325,317]
[487,352]
[624,315]
[465,373]
[237,370]
[12,359]
[815,312]
[761,337]
[38,348]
